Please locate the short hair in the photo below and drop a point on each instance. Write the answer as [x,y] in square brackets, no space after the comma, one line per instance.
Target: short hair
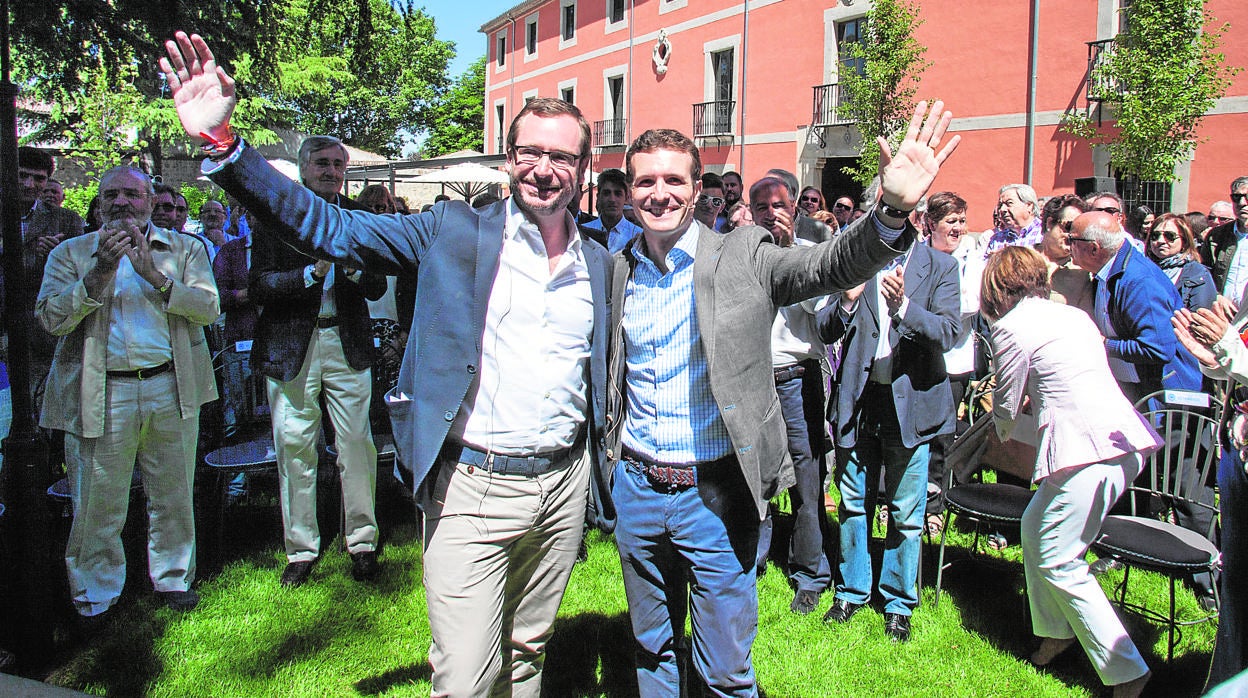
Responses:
[131,170]
[1239,182]
[1056,204]
[1102,195]
[941,204]
[732,173]
[484,200]
[613,176]
[767,184]
[1108,238]
[663,139]
[1187,239]
[822,204]
[710,180]
[440,198]
[1015,272]
[313,144]
[1024,193]
[210,201]
[1220,202]
[35,159]
[548,108]
[1198,221]
[163,188]
[789,179]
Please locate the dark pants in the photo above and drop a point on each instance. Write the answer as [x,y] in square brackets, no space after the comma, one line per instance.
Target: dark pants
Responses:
[1229,656]
[801,401]
[937,471]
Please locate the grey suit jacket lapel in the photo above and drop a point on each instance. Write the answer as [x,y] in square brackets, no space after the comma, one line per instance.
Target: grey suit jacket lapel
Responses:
[705,262]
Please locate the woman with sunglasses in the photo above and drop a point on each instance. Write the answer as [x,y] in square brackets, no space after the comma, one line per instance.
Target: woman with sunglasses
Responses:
[810,201]
[1070,284]
[1172,246]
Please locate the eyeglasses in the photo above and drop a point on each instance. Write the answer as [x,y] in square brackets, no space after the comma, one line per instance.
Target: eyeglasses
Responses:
[1242,196]
[528,155]
[842,207]
[715,201]
[811,199]
[164,207]
[1066,225]
[1170,235]
[1109,209]
[1072,238]
[1216,220]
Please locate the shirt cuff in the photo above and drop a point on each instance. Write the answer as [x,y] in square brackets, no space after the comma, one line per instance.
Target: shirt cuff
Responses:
[887,234]
[209,167]
[308,279]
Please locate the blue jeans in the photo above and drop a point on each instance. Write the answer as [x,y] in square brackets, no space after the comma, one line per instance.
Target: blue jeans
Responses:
[801,401]
[905,487]
[1229,657]
[698,544]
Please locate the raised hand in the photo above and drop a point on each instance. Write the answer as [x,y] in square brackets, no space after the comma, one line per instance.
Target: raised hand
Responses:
[906,175]
[1181,321]
[203,92]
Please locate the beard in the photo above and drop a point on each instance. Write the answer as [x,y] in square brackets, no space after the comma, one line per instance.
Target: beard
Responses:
[529,202]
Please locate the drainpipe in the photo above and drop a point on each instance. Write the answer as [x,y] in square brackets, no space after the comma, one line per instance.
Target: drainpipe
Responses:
[628,105]
[511,94]
[745,50]
[1029,152]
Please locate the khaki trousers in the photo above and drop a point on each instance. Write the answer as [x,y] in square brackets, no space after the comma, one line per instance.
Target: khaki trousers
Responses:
[296,412]
[498,553]
[142,425]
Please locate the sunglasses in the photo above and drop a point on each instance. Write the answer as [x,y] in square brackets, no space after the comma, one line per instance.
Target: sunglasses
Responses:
[1236,198]
[1109,209]
[810,199]
[1072,238]
[1169,235]
[1066,225]
[1218,219]
[713,200]
[842,207]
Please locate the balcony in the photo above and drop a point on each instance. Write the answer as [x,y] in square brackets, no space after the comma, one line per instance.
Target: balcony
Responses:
[827,103]
[713,118]
[1101,89]
[610,133]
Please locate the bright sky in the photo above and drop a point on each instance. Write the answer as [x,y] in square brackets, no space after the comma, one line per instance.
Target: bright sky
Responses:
[459,20]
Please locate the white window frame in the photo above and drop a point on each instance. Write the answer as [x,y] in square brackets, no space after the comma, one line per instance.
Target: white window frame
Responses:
[531,21]
[568,85]
[500,52]
[500,128]
[832,18]
[608,111]
[576,17]
[529,94]
[666,6]
[708,72]
[607,25]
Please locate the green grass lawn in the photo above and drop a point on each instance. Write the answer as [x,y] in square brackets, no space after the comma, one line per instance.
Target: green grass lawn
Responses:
[334,637]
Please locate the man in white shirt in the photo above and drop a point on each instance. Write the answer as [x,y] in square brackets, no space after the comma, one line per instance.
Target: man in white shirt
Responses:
[612,195]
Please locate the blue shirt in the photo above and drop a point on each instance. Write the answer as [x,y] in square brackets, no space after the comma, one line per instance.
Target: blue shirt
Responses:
[671,414]
[619,236]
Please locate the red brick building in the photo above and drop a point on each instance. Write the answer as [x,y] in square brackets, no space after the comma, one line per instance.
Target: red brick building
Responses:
[750,78]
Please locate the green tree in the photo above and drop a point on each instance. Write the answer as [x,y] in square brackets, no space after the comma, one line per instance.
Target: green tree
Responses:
[457,122]
[880,98]
[1162,75]
[366,71]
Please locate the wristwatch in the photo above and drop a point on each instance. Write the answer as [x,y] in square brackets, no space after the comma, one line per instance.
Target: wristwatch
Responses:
[166,287]
[893,211]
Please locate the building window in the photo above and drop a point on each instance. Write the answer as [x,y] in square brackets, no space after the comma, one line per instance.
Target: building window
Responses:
[568,25]
[615,11]
[568,94]
[721,74]
[669,5]
[848,33]
[500,50]
[499,130]
[530,38]
[615,97]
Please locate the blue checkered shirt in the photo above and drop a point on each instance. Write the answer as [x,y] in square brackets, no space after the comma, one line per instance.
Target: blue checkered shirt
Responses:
[671,414]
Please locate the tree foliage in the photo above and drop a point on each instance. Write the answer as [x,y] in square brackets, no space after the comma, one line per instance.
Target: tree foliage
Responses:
[1163,73]
[458,121]
[880,99]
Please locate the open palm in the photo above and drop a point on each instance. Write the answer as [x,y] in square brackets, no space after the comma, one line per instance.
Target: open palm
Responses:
[203,92]
[906,175]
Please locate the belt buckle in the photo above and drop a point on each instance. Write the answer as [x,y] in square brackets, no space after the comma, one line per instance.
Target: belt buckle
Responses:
[138,372]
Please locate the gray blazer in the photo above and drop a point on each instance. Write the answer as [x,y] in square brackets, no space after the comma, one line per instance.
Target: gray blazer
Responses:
[739,280]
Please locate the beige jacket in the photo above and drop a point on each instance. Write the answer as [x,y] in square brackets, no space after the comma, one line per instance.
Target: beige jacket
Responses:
[74,398]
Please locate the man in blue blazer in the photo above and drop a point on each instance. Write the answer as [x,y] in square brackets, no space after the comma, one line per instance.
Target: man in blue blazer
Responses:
[500,401]
[891,397]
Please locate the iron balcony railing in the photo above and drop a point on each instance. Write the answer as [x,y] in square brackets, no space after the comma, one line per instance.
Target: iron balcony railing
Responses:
[827,103]
[713,118]
[1101,88]
[610,132]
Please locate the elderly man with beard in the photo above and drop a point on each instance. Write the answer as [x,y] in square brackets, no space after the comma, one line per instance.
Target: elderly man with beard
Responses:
[129,375]
[500,405]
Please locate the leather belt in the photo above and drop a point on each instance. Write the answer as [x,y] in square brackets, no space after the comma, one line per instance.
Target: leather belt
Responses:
[784,374]
[669,477]
[142,373]
[324,322]
[510,465]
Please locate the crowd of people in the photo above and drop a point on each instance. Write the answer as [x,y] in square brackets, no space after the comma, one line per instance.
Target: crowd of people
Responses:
[661,371]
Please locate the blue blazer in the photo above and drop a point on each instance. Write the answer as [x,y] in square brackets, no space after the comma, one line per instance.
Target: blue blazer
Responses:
[453,251]
[920,384]
[1141,301]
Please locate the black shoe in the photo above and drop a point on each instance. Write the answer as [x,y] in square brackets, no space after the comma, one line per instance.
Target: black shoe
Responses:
[1208,602]
[90,626]
[804,601]
[897,627]
[1103,565]
[180,600]
[364,566]
[841,611]
[297,573]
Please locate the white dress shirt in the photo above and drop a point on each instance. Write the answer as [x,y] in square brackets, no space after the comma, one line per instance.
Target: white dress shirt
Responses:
[529,395]
[138,331]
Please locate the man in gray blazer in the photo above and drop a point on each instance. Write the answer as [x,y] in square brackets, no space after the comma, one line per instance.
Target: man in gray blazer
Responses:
[693,416]
[891,398]
[500,402]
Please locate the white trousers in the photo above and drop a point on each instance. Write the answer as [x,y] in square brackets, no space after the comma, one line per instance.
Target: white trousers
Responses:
[499,550]
[1062,520]
[143,426]
[296,412]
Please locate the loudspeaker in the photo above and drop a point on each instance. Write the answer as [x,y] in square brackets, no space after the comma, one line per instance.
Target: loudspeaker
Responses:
[1089,185]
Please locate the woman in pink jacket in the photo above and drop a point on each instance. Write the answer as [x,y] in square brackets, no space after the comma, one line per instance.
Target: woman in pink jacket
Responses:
[1055,391]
